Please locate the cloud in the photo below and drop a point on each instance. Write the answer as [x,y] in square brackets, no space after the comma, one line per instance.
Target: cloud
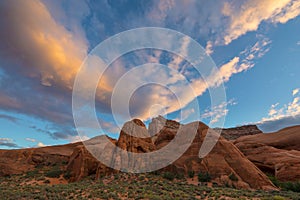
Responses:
[30,139]
[218,111]
[40,144]
[277,124]
[78,138]
[43,56]
[9,118]
[298,43]
[48,51]
[296,91]
[173,78]
[57,131]
[248,16]
[44,50]
[8,142]
[238,64]
[209,48]
[281,117]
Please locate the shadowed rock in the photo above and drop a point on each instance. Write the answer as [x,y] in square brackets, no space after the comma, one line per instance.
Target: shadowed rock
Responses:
[276,153]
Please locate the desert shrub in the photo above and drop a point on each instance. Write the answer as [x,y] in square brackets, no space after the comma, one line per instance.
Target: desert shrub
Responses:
[31,174]
[290,186]
[179,176]
[191,174]
[54,173]
[274,180]
[276,197]
[46,181]
[67,175]
[204,177]
[64,162]
[169,175]
[287,186]
[233,177]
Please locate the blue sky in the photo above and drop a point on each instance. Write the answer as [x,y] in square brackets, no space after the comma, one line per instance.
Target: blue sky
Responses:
[255,44]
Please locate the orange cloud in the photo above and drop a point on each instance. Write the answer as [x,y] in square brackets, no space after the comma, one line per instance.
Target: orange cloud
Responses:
[250,15]
[43,47]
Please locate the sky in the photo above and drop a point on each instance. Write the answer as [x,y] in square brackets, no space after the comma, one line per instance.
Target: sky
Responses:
[255,44]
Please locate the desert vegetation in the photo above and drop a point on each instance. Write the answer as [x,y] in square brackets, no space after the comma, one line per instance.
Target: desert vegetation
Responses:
[34,185]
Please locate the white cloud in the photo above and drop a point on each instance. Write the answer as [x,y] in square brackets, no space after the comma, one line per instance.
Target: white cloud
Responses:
[40,144]
[248,16]
[186,113]
[77,138]
[218,111]
[209,48]
[238,64]
[30,139]
[8,142]
[176,83]
[290,109]
[296,91]
[298,43]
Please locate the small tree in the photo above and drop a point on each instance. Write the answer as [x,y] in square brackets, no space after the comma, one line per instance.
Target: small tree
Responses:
[204,177]
[191,174]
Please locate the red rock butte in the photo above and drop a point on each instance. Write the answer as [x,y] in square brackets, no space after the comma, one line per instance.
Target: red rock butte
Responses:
[247,154]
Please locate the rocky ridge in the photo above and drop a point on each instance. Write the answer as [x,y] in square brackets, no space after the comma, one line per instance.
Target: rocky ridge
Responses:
[237,158]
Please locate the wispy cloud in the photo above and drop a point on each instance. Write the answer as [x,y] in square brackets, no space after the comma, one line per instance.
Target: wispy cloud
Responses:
[296,91]
[37,143]
[282,116]
[209,48]
[249,15]
[218,111]
[8,142]
[243,62]
[44,50]
[30,139]
[9,118]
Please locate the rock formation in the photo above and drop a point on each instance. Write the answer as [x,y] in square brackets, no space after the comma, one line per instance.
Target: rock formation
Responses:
[223,161]
[275,153]
[23,160]
[234,133]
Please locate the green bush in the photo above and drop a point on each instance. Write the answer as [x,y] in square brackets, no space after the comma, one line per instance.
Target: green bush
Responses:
[290,186]
[204,177]
[169,175]
[233,177]
[287,186]
[274,180]
[276,197]
[191,174]
[54,173]
[179,176]
[67,175]
[31,174]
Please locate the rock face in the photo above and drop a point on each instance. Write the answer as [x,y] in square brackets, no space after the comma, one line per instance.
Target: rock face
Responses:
[134,138]
[223,161]
[23,160]
[275,153]
[234,133]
